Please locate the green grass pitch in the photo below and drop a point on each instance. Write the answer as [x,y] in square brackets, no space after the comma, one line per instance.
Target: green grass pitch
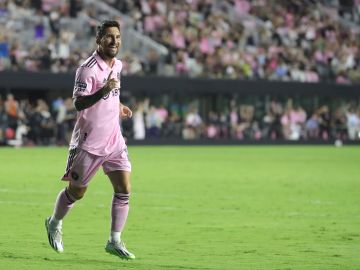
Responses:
[235,207]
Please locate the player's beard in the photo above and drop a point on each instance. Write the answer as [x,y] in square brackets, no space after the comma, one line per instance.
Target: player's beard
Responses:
[111,53]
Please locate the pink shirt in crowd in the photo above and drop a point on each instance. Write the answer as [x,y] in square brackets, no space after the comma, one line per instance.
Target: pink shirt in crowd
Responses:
[97,128]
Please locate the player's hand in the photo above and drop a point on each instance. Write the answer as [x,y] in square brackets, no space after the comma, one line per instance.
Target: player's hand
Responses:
[125,112]
[111,83]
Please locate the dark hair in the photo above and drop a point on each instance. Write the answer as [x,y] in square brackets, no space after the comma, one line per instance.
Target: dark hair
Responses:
[100,32]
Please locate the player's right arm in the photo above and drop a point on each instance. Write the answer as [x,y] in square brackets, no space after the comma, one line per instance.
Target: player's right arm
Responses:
[83,84]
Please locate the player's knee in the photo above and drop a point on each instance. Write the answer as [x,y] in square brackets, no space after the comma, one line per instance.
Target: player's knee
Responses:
[79,195]
[77,192]
[127,188]
[123,188]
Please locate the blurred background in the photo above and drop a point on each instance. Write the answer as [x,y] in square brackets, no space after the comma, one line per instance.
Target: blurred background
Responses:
[194,71]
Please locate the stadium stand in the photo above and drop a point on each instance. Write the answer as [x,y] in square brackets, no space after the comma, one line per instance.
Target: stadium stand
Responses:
[288,41]
[298,40]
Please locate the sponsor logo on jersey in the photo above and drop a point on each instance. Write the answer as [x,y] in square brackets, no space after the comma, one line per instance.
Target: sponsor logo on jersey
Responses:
[80,86]
[106,96]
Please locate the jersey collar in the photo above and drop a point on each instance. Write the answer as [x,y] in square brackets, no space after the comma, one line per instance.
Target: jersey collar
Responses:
[101,62]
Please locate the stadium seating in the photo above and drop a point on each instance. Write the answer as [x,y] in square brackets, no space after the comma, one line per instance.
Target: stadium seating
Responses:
[299,40]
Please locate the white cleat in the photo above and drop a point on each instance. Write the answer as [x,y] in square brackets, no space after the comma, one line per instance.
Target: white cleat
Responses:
[119,249]
[54,236]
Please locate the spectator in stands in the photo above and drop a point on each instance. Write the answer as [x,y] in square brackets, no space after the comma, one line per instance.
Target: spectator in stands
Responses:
[59,110]
[353,123]
[4,52]
[212,126]
[139,129]
[3,122]
[193,124]
[339,123]
[324,122]
[312,127]
[11,110]
[47,123]
[153,122]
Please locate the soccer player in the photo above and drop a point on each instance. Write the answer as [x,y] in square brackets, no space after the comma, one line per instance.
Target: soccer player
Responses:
[97,140]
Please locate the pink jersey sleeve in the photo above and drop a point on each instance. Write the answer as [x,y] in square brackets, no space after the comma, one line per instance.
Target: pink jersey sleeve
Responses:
[84,81]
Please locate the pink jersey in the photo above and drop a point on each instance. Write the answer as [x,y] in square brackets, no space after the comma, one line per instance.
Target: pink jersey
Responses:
[97,128]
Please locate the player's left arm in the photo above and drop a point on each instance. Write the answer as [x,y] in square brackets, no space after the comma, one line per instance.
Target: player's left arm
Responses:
[125,111]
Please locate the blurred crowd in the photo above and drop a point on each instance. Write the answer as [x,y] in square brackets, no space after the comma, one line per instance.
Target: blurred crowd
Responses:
[295,40]
[286,40]
[49,35]
[36,122]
